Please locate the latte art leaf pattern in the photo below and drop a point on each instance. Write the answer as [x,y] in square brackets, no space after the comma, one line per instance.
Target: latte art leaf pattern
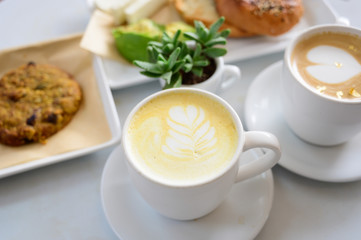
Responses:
[182,137]
[190,134]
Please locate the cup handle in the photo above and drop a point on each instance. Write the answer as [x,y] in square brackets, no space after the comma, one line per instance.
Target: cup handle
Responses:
[230,74]
[259,139]
[343,21]
[339,19]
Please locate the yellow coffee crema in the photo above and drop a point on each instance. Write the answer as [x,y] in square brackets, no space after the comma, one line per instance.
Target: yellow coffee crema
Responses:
[330,62]
[183,137]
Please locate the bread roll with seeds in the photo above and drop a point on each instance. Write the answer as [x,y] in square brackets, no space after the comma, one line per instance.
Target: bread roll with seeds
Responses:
[206,12]
[265,17]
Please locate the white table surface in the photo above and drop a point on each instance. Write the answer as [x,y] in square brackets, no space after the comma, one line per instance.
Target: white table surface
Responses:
[62,201]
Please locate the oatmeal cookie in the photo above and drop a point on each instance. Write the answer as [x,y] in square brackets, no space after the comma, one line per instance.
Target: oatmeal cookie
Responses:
[36,101]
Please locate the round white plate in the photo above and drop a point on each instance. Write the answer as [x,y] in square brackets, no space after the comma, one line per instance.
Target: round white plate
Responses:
[241,216]
[263,112]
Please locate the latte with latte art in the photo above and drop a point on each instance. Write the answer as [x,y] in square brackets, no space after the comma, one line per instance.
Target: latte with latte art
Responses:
[330,62]
[182,137]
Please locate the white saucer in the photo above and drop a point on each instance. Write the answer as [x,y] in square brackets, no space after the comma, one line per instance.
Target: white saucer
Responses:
[241,216]
[263,112]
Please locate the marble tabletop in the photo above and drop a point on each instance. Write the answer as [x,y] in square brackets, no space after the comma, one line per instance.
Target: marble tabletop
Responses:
[62,201]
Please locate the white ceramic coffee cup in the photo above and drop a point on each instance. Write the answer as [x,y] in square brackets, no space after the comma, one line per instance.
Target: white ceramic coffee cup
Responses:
[314,117]
[193,200]
[222,78]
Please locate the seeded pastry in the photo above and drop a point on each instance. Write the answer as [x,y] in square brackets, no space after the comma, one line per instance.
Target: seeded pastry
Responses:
[265,17]
[206,12]
[36,101]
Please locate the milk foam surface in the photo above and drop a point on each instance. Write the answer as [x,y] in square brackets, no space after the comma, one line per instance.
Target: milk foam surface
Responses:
[183,137]
[330,63]
[334,65]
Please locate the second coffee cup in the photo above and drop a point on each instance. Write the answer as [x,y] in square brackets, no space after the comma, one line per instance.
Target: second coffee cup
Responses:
[321,84]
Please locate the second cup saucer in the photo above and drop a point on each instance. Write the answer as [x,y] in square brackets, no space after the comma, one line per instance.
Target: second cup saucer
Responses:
[263,112]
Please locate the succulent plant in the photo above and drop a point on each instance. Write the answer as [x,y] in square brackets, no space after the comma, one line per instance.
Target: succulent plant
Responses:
[171,57]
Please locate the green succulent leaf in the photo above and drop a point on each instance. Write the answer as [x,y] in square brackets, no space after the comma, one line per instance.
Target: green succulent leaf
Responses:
[201,29]
[176,81]
[173,57]
[149,67]
[197,51]
[215,26]
[155,44]
[166,39]
[176,36]
[225,33]
[184,50]
[215,52]
[151,75]
[192,36]
[203,35]
[188,59]
[178,65]
[197,71]
[188,67]
[155,49]
[164,65]
[167,76]
[169,47]
[161,58]
[216,41]
[201,63]
[152,54]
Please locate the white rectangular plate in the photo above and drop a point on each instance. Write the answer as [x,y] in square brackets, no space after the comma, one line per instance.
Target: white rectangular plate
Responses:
[317,12]
[113,123]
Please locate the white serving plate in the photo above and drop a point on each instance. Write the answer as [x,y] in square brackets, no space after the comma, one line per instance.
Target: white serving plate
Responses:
[121,75]
[113,123]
